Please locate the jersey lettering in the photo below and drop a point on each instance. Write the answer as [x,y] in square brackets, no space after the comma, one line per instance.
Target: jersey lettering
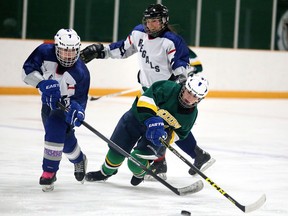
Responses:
[140,43]
[146,57]
[170,119]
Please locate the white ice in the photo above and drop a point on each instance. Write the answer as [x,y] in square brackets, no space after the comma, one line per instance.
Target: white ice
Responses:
[248,139]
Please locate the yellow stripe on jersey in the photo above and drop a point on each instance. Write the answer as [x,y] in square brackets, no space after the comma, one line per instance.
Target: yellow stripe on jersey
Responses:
[194,63]
[147,102]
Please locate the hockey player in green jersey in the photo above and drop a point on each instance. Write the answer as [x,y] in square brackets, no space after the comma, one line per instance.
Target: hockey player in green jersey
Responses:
[167,109]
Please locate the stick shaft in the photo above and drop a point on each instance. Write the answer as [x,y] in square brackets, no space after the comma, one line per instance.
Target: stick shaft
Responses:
[212,183]
[124,153]
[115,94]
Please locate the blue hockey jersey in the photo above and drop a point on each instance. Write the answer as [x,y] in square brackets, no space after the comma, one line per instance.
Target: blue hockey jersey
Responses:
[43,64]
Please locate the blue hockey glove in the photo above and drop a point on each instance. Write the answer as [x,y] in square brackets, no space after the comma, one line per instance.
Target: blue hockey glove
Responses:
[155,130]
[50,93]
[75,115]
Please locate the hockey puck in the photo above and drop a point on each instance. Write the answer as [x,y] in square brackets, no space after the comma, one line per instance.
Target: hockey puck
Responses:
[184,212]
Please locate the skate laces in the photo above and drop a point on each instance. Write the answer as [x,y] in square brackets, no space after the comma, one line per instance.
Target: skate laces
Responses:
[79,167]
[47,175]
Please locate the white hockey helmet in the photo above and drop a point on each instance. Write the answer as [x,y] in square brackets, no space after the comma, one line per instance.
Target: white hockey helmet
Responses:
[196,85]
[67,47]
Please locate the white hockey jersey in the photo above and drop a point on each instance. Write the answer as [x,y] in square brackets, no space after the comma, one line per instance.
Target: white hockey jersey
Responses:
[159,58]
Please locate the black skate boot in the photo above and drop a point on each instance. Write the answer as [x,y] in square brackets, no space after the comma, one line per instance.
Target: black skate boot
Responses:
[97,176]
[136,180]
[80,169]
[47,180]
[201,159]
[159,168]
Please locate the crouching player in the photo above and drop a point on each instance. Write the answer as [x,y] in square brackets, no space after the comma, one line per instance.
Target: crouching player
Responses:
[166,109]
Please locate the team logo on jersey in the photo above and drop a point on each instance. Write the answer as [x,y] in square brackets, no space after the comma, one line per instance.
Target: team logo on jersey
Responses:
[282,32]
[146,57]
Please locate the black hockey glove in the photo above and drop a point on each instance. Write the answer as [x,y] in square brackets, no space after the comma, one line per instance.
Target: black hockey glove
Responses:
[180,79]
[192,71]
[91,52]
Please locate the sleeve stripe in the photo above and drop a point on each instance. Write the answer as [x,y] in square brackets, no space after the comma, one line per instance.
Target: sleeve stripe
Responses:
[171,51]
[143,104]
[147,102]
[129,38]
[193,63]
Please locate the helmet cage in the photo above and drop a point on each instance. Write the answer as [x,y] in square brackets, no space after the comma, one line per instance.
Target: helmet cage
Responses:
[195,85]
[67,47]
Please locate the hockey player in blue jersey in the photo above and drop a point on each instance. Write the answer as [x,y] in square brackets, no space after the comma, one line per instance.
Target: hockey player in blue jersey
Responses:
[59,74]
[162,55]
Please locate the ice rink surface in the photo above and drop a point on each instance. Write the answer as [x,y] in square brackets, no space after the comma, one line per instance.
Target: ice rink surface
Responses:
[248,139]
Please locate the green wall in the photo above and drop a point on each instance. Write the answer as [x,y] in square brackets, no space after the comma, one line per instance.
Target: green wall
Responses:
[93,20]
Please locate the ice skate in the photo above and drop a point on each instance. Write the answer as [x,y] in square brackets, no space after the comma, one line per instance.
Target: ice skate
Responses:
[159,168]
[80,169]
[136,180]
[97,176]
[47,180]
[202,160]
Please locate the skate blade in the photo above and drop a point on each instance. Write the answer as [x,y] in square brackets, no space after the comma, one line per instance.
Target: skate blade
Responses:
[151,178]
[48,188]
[208,164]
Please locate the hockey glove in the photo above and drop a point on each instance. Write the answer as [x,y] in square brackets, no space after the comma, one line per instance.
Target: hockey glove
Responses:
[75,115]
[181,79]
[155,130]
[91,52]
[50,93]
[191,71]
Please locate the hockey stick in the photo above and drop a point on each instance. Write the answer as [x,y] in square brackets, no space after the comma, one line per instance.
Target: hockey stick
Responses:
[193,188]
[244,208]
[115,94]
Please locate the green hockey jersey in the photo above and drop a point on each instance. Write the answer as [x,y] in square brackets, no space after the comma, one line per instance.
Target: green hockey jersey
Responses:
[162,99]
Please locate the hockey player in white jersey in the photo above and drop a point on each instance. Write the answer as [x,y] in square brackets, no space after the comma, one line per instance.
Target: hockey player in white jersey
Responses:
[59,74]
[162,55]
